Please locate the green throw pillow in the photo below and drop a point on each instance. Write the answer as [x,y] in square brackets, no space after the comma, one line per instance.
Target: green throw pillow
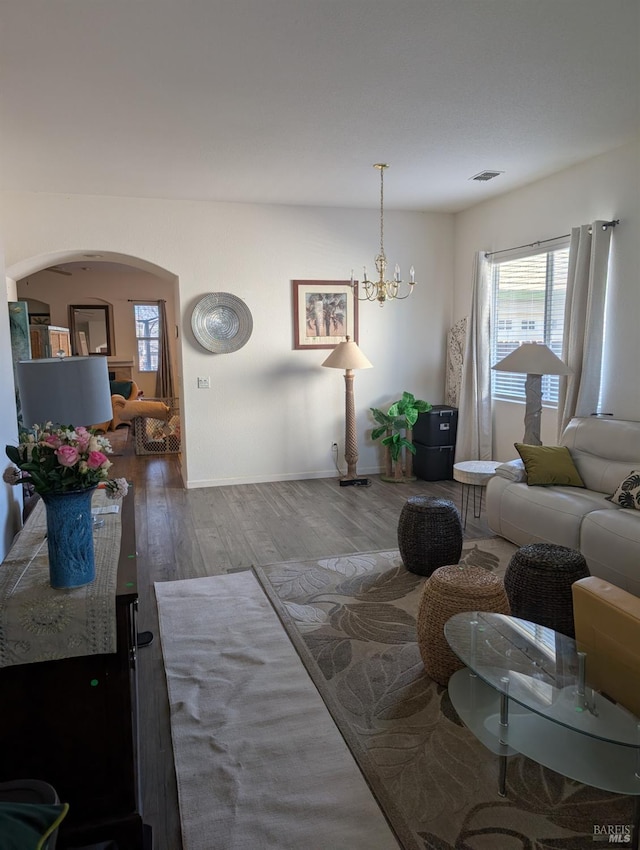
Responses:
[26,826]
[122,388]
[549,465]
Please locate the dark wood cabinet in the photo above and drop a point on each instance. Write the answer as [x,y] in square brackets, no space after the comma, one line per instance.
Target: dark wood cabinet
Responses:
[72,722]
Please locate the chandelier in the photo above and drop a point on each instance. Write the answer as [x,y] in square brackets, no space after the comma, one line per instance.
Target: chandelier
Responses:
[382,290]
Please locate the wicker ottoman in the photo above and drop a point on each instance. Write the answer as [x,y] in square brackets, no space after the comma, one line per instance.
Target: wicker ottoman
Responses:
[429,534]
[538,583]
[451,590]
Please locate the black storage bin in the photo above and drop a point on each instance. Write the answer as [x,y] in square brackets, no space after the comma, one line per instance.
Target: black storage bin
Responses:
[437,427]
[433,463]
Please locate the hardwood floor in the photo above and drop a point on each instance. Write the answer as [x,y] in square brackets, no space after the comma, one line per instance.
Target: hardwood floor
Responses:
[190,533]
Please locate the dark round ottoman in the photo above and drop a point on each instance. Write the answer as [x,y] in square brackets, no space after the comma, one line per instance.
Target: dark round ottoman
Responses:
[538,582]
[429,534]
[452,590]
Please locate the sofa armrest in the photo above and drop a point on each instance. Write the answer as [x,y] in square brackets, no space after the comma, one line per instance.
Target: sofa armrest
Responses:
[512,470]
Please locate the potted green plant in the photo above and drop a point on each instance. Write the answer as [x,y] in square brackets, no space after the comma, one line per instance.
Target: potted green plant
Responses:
[396,430]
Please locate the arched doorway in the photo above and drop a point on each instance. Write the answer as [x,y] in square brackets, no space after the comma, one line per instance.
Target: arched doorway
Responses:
[58,280]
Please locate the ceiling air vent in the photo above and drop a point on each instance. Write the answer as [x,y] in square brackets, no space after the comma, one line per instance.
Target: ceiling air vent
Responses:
[486,175]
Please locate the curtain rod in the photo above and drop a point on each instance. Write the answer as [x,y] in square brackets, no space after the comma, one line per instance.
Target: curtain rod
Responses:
[147,300]
[605,225]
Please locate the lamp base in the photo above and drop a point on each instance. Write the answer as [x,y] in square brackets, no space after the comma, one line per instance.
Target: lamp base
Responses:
[355,482]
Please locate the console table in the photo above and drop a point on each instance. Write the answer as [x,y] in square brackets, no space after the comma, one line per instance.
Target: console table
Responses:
[525,690]
[72,721]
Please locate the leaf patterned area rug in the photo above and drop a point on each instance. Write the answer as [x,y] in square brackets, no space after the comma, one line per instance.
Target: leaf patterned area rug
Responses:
[353,622]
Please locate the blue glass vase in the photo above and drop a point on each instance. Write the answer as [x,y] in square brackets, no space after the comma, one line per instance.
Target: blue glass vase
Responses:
[70,538]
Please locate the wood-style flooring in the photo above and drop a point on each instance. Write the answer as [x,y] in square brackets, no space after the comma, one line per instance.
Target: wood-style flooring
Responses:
[191,533]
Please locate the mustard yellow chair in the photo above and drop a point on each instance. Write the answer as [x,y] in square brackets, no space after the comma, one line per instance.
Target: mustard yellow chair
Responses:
[126,409]
[607,621]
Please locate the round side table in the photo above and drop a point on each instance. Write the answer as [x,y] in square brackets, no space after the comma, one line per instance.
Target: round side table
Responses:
[473,475]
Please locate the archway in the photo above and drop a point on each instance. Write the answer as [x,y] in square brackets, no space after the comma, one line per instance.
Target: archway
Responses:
[77,272]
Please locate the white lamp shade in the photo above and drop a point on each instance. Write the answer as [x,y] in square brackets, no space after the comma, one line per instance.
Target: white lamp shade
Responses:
[66,391]
[347,355]
[533,358]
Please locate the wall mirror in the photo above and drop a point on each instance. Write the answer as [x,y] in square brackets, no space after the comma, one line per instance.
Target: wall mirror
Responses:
[90,329]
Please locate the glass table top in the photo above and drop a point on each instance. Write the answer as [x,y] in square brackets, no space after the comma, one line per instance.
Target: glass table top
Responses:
[539,669]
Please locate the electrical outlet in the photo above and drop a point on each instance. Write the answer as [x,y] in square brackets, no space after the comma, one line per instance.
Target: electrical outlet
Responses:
[204,383]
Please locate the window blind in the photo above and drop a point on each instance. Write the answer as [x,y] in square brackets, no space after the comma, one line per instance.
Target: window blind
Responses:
[528,306]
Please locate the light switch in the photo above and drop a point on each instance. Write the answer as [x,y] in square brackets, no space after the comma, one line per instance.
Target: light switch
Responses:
[204,383]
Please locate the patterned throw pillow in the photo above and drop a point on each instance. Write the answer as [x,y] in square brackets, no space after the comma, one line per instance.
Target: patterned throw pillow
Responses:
[628,493]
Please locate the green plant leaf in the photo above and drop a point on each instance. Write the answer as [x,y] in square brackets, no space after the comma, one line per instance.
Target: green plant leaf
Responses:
[408,399]
[13,454]
[411,417]
[380,416]
[394,410]
[376,433]
[409,446]
[423,406]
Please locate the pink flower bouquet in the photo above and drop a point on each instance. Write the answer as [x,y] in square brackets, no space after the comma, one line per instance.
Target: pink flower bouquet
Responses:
[59,460]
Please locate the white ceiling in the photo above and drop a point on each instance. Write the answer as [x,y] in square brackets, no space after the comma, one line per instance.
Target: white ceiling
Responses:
[292,101]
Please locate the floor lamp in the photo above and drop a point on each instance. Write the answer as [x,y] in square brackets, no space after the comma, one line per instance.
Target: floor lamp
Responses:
[346,355]
[534,359]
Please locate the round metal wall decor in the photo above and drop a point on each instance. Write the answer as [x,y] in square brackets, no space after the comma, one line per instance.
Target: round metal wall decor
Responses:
[221,322]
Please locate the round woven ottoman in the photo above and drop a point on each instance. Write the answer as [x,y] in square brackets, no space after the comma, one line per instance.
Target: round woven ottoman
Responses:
[451,590]
[429,534]
[538,582]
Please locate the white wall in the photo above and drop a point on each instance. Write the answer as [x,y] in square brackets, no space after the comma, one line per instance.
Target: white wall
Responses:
[271,412]
[605,187]
[10,496]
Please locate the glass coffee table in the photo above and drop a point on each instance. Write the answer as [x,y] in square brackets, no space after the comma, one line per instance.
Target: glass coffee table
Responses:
[525,690]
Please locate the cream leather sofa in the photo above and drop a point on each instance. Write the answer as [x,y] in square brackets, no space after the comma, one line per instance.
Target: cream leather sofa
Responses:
[604,451]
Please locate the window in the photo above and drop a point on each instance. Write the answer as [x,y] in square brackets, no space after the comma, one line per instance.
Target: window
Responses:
[147,318]
[528,306]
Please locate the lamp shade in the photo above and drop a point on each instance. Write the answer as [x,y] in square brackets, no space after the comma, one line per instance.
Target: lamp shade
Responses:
[347,355]
[65,391]
[533,358]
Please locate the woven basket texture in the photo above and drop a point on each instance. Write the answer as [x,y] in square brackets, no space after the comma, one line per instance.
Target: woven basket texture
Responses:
[429,534]
[451,590]
[538,582]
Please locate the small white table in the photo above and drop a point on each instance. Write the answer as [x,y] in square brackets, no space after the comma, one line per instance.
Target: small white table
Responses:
[473,474]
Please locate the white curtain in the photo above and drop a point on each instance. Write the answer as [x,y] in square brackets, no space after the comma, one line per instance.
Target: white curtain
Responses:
[584,321]
[474,440]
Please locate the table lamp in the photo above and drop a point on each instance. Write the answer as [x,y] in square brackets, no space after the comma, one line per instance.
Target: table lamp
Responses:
[534,359]
[64,390]
[346,355]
